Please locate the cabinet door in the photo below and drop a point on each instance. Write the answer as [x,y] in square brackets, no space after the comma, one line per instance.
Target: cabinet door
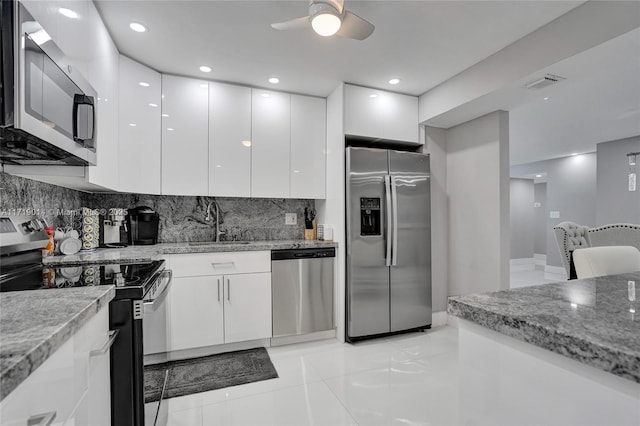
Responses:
[229,140]
[139,123]
[185,136]
[103,75]
[375,113]
[270,128]
[195,312]
[308,146]
[247,307]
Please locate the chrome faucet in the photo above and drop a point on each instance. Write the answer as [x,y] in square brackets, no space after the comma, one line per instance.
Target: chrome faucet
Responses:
[218,212]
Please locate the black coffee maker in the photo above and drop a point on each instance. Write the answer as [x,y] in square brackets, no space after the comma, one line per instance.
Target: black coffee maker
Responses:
[143,226]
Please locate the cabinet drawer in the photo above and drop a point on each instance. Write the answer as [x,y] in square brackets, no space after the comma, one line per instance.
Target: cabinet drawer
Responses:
[225,263]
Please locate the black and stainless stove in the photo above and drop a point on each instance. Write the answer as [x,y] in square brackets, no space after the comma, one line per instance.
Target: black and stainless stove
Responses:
[140,294]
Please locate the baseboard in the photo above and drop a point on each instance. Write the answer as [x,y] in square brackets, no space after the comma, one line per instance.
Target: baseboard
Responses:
[555,270]
[524,264]
[452,320]
[540,259]
[439,319]
[301,338]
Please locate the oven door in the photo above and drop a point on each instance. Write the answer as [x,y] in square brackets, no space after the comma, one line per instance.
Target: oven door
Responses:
[155,338]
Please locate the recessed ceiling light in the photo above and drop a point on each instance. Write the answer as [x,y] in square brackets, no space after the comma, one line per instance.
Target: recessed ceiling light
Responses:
[574,153]
[205,68]
[165,115]
[170,129]
[394,81]
[538,175]
[68,13]
[143,84]
[546,98]
[153,105]
[246,143]
[274,80]
[139,28]
[265,95]
[218,165]
[373,95]
[105,99]
[296,171]
[132,124]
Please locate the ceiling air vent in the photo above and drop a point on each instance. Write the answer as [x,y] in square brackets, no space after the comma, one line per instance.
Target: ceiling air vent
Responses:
[545,81]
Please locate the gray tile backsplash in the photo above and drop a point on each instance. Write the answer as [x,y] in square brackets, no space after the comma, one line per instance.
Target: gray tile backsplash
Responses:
[181,218]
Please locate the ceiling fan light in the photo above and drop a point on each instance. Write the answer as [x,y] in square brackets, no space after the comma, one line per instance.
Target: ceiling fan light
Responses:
[325,20]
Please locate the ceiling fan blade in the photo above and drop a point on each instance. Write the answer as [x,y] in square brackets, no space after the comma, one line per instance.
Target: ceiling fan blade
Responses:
[355,27]
[293,24]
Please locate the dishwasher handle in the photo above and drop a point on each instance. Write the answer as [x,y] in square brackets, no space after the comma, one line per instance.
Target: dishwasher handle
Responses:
[310,253]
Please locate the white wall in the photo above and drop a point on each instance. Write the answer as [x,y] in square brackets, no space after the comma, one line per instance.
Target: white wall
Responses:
[331,210]
[478,191]
[435,146]
[571,191]
[521,214]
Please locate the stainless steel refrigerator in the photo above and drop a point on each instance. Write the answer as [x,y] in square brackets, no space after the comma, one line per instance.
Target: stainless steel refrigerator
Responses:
[388,242]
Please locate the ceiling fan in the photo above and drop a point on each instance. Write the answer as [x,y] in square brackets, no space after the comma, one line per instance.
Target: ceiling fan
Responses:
[329,17]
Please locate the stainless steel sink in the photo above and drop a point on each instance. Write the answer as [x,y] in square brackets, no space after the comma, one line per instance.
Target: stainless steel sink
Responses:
[214,243]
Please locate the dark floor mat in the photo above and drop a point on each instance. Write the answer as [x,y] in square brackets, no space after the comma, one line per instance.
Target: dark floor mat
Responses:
[208,373]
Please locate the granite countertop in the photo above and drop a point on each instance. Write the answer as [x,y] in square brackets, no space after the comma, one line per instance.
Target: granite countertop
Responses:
[33,324]
[133,254]
[595,321]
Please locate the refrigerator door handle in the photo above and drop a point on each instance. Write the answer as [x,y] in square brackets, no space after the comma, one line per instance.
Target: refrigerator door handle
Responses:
[394,198]
[387,191]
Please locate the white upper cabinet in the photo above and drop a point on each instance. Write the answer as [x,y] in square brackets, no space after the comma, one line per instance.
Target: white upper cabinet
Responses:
[308,147]
[229,140]
[102,73]
[139,124]
[185,136]
[270,128]
[375,113]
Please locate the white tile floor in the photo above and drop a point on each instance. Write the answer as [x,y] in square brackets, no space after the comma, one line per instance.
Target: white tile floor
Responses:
[406,379]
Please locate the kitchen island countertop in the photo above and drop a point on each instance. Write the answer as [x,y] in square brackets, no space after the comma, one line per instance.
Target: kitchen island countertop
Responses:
[33,324]
[594,321]
[133,254]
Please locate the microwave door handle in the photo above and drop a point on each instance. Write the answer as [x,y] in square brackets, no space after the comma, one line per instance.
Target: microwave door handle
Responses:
[83,100]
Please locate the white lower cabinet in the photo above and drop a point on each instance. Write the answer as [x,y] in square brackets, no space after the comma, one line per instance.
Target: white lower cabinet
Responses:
[196,312]
[218,298]
[247,307]
[72,386]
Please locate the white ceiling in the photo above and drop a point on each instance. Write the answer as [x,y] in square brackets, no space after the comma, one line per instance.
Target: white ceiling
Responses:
[421,42]
[599,102]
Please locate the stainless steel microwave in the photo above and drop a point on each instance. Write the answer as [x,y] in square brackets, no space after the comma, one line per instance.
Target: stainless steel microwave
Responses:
[48,107]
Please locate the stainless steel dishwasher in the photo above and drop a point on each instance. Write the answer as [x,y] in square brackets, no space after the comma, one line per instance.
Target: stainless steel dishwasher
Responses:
[302,291]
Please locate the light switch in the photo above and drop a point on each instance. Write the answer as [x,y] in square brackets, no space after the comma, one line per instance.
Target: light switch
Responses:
[290,219]
[632,181]
[554,215]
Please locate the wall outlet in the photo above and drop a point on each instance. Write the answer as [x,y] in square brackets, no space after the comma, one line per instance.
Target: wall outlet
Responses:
[536,205]
[290,219]
[554,215]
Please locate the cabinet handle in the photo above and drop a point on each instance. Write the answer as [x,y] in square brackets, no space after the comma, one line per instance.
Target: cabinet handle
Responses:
[218,289]
[216,264]
[42,419]
[113,335]
[228,290]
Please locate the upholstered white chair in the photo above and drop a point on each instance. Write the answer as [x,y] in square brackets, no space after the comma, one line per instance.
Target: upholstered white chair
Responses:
[570,236]
[607,260]
[615,234]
